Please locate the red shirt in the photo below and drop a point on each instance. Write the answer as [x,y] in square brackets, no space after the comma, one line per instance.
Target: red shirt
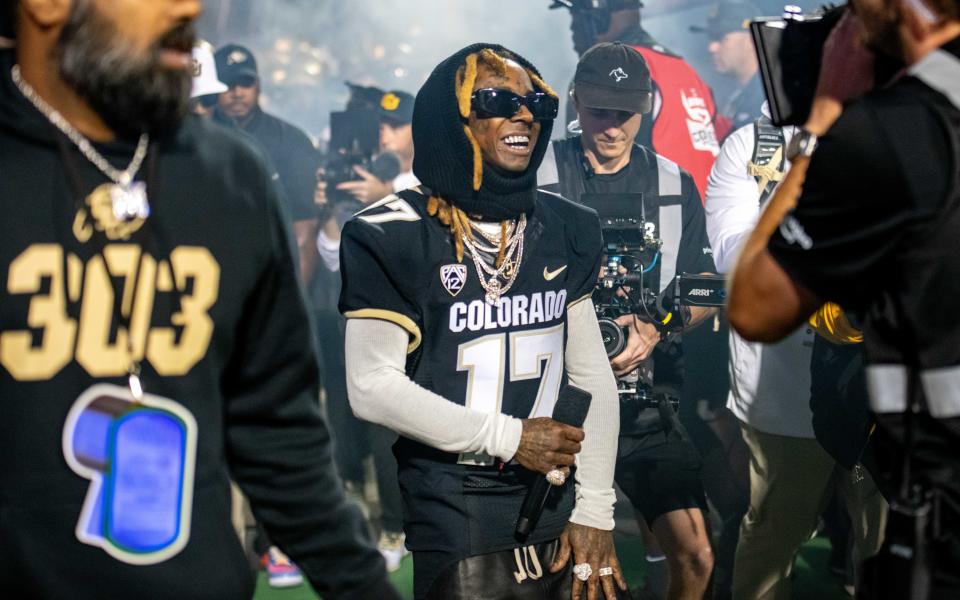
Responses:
[683,128]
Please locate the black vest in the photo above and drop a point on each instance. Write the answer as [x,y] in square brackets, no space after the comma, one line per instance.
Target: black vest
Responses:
[915,325]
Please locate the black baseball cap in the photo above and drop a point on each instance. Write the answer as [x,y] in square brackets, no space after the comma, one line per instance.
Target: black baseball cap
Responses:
[728,17]
[234,63]
[613,76]
[396,107]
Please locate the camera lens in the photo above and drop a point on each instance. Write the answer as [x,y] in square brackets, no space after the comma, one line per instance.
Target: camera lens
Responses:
[614,337]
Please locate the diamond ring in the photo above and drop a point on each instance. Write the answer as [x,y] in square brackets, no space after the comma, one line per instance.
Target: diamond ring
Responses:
[583,571]
[556,477]
[605,572]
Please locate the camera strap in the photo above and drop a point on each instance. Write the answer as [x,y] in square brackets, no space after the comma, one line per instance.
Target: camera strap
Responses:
[768,163]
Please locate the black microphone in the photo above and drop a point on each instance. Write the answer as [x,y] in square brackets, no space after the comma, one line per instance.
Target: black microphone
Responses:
[571,409]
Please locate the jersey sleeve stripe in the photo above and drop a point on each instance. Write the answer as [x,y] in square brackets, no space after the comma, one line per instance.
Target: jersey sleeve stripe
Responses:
[393,317]
[586,296]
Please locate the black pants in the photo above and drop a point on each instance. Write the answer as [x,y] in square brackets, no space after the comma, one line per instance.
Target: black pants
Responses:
[381,442]
[350,441]
[521,574]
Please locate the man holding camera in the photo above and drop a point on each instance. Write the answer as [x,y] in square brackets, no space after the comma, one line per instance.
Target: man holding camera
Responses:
[657,467]
[887,244]
[395,110]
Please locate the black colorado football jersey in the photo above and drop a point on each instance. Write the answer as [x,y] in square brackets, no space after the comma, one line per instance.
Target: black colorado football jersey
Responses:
[399,264]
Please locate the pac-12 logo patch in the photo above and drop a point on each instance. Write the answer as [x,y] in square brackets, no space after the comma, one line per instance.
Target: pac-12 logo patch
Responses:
[453,278]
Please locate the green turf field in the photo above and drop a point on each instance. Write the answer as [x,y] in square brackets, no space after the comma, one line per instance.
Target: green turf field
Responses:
[811,581]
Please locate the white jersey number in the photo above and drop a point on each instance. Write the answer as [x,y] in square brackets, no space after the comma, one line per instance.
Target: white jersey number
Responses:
[533,354]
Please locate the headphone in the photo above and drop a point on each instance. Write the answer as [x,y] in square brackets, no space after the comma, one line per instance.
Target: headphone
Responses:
[594,14]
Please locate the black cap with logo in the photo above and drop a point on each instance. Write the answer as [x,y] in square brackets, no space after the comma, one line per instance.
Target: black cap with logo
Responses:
[613,76]
[235,64]
[396,107]
[728,17]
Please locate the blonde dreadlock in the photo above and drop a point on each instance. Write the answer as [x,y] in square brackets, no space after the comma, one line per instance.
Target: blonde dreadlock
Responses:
[449,215]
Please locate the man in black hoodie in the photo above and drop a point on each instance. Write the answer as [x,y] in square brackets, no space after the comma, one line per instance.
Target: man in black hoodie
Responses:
[468,308]
[151,329]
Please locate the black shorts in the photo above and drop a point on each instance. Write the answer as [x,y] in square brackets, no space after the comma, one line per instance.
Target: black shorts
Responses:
[521,574]
[660,471]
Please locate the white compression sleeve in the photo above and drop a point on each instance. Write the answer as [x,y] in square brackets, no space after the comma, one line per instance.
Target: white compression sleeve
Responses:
[588,369]
[380,392]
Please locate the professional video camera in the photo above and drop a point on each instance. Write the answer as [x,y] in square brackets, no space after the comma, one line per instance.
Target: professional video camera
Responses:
[790,50]
[633,250]
[355,142]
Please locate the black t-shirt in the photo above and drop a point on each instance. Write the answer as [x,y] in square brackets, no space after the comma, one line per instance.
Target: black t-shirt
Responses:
[876,227]
[876,174]
[292,154]
[399,264]
[673,212]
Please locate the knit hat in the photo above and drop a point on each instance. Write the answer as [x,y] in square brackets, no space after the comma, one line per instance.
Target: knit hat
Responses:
[448,162]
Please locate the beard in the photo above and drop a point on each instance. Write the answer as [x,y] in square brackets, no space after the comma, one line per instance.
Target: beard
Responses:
[131,90]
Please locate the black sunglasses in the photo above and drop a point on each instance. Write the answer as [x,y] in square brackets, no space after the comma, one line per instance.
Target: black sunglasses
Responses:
[494,102]
[244,81]
[208,100]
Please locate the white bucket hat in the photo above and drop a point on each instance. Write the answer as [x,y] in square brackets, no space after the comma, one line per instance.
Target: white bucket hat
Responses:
[205,80]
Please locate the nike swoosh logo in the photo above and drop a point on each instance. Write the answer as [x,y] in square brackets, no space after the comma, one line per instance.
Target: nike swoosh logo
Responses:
[550,275]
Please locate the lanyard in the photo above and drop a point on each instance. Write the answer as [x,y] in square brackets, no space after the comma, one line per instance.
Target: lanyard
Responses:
[123,321]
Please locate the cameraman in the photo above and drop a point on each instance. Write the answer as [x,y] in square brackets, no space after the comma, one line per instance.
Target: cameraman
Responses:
[395,110]
[877,229]
[658,468]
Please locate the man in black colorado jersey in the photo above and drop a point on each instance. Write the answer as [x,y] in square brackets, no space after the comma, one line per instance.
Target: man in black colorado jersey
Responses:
[152,339]
[468,306]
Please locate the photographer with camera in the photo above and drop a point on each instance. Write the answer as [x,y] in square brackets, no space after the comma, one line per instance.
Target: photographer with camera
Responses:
[885,242]
[395,111]
[351,159]
[657,466]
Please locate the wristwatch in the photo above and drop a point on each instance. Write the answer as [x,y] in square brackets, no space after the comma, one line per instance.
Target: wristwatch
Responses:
[803,143]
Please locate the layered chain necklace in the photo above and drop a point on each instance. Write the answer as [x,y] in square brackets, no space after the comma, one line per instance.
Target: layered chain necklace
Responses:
[128,197]
[498,280]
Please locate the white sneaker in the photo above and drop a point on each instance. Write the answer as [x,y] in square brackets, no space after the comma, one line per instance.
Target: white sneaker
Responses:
[392,547]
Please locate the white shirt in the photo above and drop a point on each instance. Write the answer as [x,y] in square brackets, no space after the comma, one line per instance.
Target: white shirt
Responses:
[405,181]
[330,249]
[769,383]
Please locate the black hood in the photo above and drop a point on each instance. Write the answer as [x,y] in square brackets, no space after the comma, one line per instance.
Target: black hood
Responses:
[444,157]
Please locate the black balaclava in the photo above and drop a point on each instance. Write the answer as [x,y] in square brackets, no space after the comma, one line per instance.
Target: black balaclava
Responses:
[444,157]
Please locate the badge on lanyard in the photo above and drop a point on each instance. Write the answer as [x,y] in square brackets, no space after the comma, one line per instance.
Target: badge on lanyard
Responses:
[139,452]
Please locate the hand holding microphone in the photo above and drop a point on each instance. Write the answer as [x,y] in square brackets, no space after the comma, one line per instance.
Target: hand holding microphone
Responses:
[549,446]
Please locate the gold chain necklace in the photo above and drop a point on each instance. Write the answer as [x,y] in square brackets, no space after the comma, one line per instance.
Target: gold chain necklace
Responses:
[501,278]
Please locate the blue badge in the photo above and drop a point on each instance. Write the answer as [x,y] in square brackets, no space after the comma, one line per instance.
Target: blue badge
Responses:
[140,458]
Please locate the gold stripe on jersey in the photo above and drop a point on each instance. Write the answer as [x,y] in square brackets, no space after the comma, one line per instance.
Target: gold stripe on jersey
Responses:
[586,296]
[393,317]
